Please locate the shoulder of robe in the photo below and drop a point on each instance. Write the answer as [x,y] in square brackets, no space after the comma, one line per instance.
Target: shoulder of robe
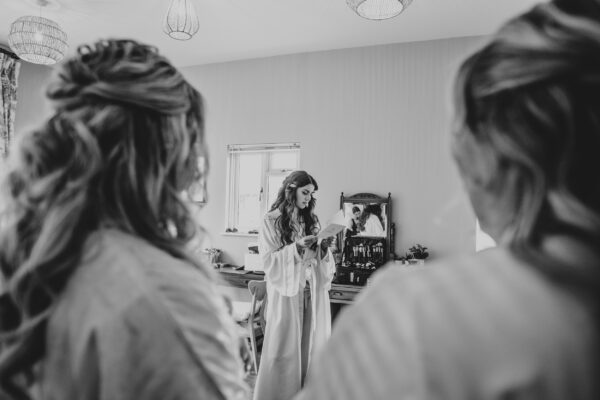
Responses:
[130,265]
[272,215]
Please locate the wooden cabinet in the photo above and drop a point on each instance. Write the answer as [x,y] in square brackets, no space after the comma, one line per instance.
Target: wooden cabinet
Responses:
[240,280]
[367,242]
[343,294]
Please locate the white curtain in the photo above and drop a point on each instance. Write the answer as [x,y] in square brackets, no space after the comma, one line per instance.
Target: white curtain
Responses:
[9,74]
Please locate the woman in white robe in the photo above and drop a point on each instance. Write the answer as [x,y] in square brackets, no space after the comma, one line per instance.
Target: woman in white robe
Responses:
[373,227]
[370,222]
[298,271]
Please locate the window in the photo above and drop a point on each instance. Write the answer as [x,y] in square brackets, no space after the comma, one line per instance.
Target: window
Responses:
[196,193]
[482,240]
[255,173]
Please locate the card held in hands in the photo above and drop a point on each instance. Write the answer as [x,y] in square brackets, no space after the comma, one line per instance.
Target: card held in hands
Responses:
[335,225]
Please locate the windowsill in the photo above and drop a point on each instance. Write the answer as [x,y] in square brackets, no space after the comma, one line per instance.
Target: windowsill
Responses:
[239,234]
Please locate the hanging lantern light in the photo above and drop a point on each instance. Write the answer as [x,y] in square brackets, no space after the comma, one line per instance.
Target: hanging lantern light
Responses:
[378,9]
[37,40]
[181,21]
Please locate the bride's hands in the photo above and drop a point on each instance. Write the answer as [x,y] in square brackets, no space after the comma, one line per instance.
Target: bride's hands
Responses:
[305,242]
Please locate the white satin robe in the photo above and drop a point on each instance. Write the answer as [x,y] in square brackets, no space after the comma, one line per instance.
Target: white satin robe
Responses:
[286,274]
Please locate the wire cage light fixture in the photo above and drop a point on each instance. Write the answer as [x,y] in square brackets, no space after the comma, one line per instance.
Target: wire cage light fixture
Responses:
[37,40]
[181,21]
[378,9]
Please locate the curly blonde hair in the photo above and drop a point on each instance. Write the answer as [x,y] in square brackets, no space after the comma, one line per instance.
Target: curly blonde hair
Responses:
[120,148]
[528,107]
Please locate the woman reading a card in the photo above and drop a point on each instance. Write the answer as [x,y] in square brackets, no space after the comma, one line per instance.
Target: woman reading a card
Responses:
[298,271]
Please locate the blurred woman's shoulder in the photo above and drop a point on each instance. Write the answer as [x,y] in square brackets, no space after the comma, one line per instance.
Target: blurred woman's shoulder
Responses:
[272,215]
[150,314]
[469,271]
[118,269]
[489,288]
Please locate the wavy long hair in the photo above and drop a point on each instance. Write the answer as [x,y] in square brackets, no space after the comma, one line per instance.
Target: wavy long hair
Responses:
[286,203]
[120,148]
[528,111]
[370,209]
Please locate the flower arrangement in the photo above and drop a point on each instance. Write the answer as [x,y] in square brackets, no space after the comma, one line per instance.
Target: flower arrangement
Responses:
[213,255]
[416,255]
[417,252]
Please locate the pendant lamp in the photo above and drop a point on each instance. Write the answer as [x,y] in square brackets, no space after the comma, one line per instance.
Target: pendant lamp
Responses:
[181,21]
[378,9]
[36,39]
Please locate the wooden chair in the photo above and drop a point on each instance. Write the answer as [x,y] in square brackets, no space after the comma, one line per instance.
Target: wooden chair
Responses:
[254,326]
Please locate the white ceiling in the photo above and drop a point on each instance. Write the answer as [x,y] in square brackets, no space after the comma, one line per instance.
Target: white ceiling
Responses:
[242,29]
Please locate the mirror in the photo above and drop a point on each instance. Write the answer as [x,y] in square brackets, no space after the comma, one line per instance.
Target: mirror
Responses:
[367,241]
[369,219]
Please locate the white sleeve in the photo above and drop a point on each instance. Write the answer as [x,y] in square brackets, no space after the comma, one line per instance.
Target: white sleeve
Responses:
[373,226]
[325,269]
[283,265]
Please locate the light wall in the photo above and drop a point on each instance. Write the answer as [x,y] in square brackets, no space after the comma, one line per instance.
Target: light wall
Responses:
[373,119]
[31,105]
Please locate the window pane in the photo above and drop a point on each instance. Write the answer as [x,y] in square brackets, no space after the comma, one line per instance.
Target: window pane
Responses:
[257,173]
[274,182]
[197,190]
[284,160]
[249,185]
[482,240]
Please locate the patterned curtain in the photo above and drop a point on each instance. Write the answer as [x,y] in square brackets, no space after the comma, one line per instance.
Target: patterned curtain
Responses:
[9,74]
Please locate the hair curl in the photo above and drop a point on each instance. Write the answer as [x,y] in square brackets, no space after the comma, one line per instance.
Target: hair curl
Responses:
[528,106]
[286,203]
[120,148]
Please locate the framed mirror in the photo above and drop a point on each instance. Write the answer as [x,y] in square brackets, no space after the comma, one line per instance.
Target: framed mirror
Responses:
[367,241]
[368,219]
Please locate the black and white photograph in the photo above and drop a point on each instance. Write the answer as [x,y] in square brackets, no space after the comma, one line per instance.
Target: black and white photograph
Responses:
[299,199]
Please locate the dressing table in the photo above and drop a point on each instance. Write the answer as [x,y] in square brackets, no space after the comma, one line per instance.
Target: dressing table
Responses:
[367,242]
[364,246]
[339,294]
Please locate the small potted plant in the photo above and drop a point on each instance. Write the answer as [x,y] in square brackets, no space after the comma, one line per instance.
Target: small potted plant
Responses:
[212,256]
[417,254]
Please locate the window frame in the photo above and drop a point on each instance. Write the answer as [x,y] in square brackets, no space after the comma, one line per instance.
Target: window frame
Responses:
[233,172]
